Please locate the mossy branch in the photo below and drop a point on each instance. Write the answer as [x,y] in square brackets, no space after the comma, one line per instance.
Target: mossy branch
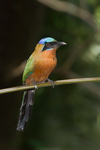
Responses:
[47,84]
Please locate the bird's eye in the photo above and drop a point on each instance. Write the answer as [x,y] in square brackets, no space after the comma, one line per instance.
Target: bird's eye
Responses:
[48,44]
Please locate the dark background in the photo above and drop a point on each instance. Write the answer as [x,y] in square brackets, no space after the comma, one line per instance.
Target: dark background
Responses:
[68,116]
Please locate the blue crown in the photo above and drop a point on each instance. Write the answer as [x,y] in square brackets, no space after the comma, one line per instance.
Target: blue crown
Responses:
[47,39]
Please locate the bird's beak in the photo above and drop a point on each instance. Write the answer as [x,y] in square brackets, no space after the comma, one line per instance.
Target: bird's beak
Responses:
[61,43]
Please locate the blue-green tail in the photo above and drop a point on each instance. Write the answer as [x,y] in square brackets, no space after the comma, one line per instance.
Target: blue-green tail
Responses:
[26,109]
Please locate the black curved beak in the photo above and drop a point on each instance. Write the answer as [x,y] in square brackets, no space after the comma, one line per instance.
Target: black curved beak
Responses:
[61,43]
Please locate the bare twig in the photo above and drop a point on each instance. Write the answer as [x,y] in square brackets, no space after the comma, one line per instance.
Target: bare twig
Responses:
[60,82]
[71,9]
[92,87]
[77,51]
[17,71]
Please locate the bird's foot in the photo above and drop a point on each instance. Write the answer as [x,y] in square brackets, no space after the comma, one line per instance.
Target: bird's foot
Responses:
[52,82]
[35,85]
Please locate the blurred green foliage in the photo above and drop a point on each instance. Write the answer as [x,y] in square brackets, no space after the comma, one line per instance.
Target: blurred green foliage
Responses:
[66,117]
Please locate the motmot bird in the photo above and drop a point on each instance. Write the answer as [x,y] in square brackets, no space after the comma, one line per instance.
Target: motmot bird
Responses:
[39,66]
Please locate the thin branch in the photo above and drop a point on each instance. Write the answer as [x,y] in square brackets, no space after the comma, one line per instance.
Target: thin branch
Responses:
[92,87]
[72,9]
[77,51]
[47,84]
[16,71]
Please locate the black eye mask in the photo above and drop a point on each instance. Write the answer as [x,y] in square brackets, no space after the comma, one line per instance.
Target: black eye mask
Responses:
[50,45]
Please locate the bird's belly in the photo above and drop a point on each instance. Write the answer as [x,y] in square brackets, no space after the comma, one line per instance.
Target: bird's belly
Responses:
[42,70]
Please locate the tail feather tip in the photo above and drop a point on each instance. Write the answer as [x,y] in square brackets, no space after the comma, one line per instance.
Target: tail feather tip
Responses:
[20,128]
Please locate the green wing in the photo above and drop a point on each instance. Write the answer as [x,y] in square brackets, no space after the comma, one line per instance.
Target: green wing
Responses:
[29,68]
